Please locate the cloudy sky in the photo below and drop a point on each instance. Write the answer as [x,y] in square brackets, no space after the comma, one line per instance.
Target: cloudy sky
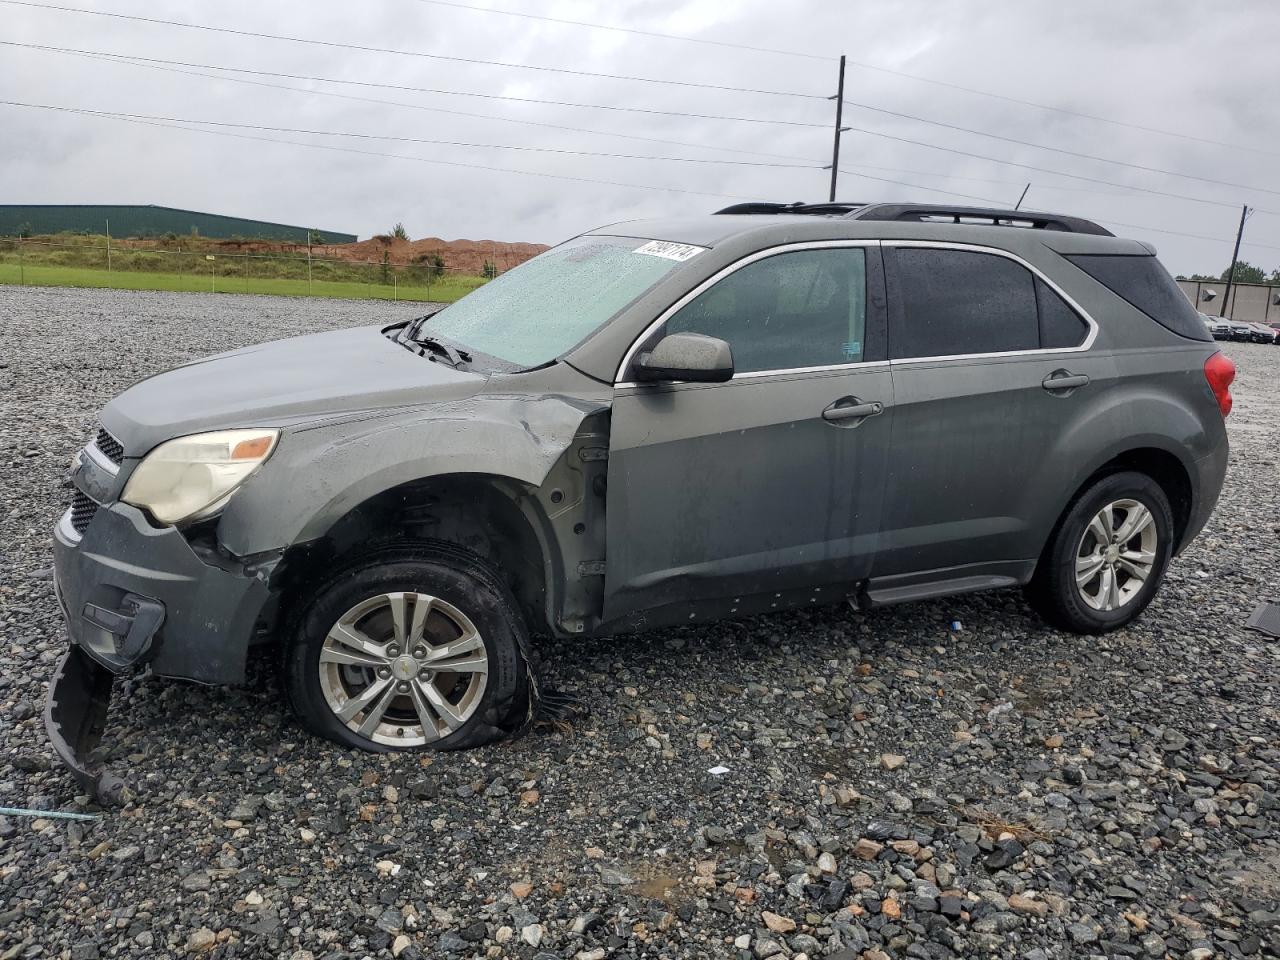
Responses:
[1199,71]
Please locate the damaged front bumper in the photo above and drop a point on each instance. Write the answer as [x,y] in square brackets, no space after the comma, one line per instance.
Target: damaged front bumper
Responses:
[75,716]
[136,595]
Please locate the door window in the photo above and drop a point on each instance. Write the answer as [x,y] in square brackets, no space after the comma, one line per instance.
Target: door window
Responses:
[956,302]
[806,308]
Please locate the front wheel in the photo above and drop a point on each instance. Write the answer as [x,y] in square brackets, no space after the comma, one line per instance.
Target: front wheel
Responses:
[1108,556]
[410,649]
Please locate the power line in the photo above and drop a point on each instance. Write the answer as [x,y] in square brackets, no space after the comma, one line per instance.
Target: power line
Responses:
[333,44]
[400,139]
[1059,173]
[640,33]
[136,60]
[412,89]
[1063,110]
[399,156]
[1041,146]
[952,193]
[554,176]
[106,58]
[1178,233]
[864,66]
[154,63]
[177,121]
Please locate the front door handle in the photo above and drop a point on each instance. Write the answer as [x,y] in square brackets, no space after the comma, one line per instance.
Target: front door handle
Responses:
[851,408]
[1064,380]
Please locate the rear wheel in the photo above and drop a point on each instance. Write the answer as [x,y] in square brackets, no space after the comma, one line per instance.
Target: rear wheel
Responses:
[1108,556]
[410,649]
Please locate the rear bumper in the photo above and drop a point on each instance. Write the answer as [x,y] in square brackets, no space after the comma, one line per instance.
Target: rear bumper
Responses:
[1210,473]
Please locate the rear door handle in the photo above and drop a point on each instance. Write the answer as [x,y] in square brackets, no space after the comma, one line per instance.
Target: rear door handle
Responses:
[1064,380]
[851,408]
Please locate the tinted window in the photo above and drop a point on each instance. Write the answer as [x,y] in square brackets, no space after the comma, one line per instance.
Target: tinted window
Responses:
[801,309]
[1146,284]
[1060,326]
[959,302]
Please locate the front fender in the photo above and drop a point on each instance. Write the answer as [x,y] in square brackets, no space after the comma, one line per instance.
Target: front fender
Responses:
[320,473]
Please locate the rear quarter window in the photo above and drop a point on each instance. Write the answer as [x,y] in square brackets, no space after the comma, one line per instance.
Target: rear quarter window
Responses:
[1143,282]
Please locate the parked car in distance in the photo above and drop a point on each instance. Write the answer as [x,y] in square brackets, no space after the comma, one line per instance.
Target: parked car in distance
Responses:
[1261,333]
[1219,328]
[1276,329]
[1241,331]
[655,423]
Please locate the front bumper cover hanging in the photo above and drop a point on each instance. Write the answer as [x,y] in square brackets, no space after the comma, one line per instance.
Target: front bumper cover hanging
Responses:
[75,715]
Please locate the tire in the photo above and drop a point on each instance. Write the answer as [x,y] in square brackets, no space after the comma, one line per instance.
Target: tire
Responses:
[481,692]
[1098,605]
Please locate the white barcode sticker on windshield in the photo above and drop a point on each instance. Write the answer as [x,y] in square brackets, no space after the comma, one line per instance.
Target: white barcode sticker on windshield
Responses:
[669,251]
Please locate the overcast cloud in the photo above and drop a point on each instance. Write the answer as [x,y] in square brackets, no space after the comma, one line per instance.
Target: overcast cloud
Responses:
[1204,69]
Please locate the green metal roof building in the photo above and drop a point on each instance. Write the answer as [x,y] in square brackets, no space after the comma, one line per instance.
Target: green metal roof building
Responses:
[147,221]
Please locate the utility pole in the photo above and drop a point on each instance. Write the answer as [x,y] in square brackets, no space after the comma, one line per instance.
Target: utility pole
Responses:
[835,146]
[1018,205]
[1235,257]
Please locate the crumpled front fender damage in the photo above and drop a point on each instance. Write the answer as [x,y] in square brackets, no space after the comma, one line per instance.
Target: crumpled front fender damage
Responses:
[331,468]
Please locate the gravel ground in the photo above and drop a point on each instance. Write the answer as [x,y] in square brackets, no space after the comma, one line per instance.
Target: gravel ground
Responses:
[894,789]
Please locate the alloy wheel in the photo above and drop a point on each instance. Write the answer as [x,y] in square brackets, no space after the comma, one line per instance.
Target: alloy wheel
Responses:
[403,669]
[1117,555]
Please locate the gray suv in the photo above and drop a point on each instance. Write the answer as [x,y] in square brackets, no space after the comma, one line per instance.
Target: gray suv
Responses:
[655,423]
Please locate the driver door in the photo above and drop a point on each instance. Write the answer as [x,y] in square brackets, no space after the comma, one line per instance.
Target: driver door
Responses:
[758,492]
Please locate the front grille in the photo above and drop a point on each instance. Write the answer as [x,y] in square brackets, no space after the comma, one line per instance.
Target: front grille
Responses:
[111,447]
[82,512]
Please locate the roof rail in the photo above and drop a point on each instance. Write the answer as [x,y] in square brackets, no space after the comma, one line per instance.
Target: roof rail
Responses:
[931,213]
[835,209]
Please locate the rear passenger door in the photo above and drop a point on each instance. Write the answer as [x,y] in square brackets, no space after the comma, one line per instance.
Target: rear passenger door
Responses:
[990,366]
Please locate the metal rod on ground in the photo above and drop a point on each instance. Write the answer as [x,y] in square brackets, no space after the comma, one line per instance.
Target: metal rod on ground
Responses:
[308,262]
[1235,256]
[56,814]
[835,146]
[108,246]
[395,286]
[22,267]
[1018,205]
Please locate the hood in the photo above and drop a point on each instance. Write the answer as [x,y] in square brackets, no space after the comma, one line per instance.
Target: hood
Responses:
[276,384]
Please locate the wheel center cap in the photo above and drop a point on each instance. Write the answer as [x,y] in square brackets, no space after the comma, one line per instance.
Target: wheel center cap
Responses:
[404,668]
[1112,554]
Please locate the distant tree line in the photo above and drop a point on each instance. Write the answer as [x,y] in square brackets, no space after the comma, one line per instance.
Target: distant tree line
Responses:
[1246,272]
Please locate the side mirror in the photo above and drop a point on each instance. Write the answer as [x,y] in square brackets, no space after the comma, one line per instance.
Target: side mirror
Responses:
[686,356]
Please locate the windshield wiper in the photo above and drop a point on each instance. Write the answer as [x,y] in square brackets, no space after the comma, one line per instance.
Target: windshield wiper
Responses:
[453,356]
[411,329]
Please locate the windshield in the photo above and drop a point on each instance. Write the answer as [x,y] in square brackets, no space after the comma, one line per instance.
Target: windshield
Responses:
[536,312]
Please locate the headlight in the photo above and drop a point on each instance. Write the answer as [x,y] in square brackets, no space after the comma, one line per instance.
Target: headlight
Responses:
[192,477]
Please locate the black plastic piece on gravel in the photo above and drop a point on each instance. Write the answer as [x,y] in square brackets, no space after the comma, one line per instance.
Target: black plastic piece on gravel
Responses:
[1266,618]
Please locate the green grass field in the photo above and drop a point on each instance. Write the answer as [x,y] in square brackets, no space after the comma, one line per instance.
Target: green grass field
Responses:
[441,290]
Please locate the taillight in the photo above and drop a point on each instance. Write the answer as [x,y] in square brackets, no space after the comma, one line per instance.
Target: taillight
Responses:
[1219,372]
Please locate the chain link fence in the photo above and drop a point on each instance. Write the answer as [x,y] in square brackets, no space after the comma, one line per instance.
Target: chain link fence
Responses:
[99,262]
